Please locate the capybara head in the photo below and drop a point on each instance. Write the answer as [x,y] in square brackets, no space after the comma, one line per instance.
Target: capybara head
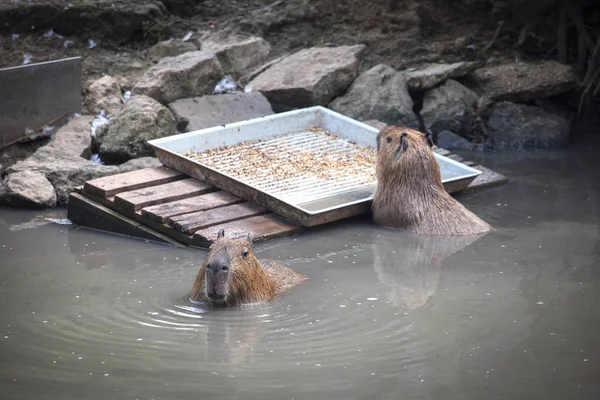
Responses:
[225,261]
[404,152]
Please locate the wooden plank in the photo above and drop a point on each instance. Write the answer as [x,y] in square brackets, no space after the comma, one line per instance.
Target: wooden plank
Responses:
[86,212]
[488,178]
[137,199]
[162,212]
[156,226]
[262,227]
[111,185]
[190,223]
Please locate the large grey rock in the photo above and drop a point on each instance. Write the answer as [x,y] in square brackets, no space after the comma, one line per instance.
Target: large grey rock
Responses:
[139,163]
[512,125]
[309,77]
[429,76]
[170,48]
[522,82]
[104,94]
[379,93]
[27,189]
[140,120]
[450,106]
[208,111]
[237,54]
[61,160]
[190,74]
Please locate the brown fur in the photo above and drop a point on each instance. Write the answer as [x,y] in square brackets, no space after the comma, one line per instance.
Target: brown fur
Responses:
[250,280]
[410,194]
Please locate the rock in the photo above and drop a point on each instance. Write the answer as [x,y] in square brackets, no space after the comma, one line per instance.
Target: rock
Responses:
[521,82]
[170,48]
[208,111]
[61,160]
[74,139]
[237,54]
[20,151]
[27,189]
[512,125]
[309,77]
[450,106]
[375,124]
[379,93]
[257,71]
[140,120]
[190,74]
[450,140]
[432,74]
[139,163]
[109,20]
[104,94]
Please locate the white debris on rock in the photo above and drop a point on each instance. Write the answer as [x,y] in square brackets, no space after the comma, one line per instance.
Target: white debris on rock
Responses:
[15,36]
[27,58]
[126,96]
[99,121]
[226,85]
[67,43]
[92,44]
[187,36]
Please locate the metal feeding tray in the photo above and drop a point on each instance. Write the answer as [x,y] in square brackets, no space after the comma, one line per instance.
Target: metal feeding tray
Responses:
[308,198]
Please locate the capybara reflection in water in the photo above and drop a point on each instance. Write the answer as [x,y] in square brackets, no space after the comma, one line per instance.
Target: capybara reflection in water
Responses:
[410,194]
[232,275]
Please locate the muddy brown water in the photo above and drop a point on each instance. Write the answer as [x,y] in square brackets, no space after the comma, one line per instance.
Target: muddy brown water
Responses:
[514,314]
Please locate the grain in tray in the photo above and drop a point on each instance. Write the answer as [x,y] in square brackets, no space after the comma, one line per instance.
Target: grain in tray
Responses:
[252,161]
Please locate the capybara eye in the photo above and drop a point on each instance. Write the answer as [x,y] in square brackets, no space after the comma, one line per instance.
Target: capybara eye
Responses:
[208,266]
[225,269]
[389,139]
[245,253]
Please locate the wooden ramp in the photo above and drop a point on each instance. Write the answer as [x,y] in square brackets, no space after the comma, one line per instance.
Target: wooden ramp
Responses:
[164,205]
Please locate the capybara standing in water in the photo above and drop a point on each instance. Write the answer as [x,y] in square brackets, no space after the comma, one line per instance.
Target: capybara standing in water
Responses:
[231,275]
[410,194]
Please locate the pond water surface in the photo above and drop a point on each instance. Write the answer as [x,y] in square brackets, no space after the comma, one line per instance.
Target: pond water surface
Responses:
[514,314]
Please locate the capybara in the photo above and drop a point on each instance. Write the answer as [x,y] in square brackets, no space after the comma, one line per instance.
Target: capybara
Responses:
[232,275]
[410,194]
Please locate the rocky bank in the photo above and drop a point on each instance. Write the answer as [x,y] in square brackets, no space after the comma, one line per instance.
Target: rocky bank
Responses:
[230,75]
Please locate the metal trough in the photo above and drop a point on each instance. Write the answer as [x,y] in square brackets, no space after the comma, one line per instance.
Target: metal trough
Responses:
[302,199]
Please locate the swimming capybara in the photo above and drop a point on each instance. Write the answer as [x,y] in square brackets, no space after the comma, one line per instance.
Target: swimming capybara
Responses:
[410,194]
[232,275]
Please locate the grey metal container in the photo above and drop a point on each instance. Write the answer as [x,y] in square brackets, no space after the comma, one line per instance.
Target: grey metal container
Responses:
[305,201]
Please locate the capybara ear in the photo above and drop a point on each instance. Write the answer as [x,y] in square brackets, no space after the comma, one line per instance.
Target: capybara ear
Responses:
[250,237]
[378,138]
[404,141]
[429,137]
[221,233]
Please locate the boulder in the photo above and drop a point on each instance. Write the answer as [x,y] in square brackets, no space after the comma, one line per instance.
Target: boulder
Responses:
[512,125]
[104,94]
[208,111]
[237,54]
[61,160]
[429,76]
[521,82]
[27,189]
[19,151]
[126,136]
[139,163]
[379,93]
[450,106]
[170,48]
[309,77]
[450,140]
[190,74]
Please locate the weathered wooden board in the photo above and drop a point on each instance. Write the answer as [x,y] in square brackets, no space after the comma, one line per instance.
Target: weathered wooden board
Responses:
[86,212]
[190,223]
[135,200]
[143,178]
[262,227]
[37,95]
[162,212]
